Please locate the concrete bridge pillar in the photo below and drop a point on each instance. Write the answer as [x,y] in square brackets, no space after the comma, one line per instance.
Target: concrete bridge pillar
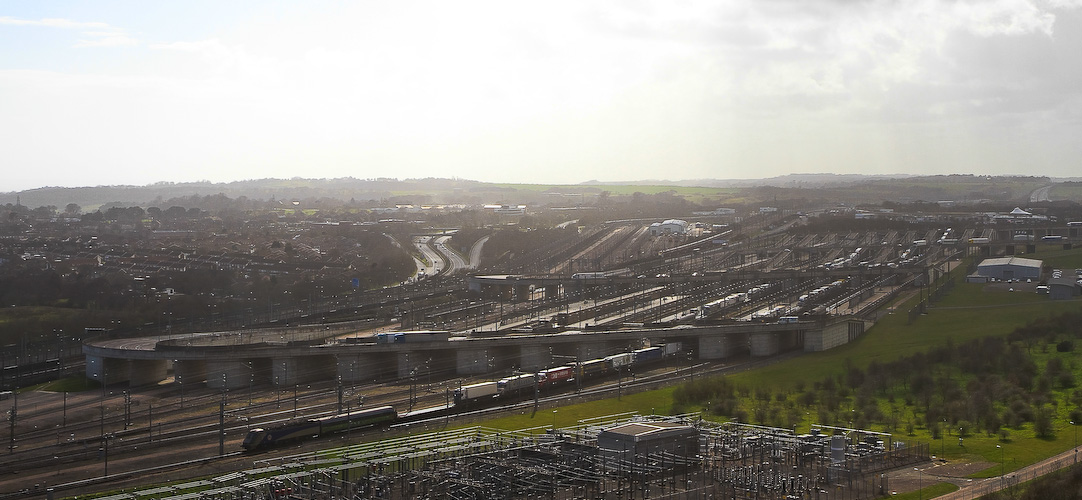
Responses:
[535,357]
[107,370]
[715,347]
[361,367]
[405,365]
[147,371]
[591,350]
[229,374]
[764,343]
[189,372]
[473,362]
[627,345]
[521,293]
[292,371]
[421,363]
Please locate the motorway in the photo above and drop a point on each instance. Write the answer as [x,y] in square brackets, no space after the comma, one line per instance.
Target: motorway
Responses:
[441,259]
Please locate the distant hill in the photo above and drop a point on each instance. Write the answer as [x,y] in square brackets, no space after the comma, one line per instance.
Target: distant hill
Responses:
[790,180]
[838,188]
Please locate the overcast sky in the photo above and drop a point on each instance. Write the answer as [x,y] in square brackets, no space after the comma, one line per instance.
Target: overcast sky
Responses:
[136,92]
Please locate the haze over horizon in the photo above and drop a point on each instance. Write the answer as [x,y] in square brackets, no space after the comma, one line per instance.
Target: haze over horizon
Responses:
[133,93]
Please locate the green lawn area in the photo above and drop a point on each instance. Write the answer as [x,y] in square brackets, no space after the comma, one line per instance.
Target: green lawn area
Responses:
[66,384]
[659,401]
[928,491]
[1056,257]
[968,312]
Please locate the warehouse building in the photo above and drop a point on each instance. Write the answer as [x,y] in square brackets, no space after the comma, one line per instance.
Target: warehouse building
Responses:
[1010,268]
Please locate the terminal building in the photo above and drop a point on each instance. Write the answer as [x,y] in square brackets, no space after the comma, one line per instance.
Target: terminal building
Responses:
[1008,268]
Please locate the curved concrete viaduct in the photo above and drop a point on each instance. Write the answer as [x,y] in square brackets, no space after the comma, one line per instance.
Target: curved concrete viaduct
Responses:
[234,360]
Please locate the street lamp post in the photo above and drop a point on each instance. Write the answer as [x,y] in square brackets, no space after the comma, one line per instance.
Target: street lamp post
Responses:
[920,481]
[105,449]
[411,390]
[1001,461]
[1075,441]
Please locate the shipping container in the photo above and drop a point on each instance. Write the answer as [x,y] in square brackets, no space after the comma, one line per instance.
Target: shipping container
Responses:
[618,360]
[672,348]
[646,355]
[475,391]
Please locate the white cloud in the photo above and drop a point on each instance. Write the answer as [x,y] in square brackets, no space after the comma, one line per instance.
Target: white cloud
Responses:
[105,39]
[53,23]
[94,34]
[1064,4]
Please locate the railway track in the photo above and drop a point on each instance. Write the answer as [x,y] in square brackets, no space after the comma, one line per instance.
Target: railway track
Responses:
[200,432]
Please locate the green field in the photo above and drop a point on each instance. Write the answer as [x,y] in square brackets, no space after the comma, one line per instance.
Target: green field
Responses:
[1071,191]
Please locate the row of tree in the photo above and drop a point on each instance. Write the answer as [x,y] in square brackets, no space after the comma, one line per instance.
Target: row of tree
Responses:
[991,385]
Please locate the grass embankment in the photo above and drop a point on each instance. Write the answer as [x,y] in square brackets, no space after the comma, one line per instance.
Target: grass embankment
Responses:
[659,401]
[66,384]
[971,311]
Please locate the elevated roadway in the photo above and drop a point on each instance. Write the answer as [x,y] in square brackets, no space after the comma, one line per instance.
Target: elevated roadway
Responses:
[234,360]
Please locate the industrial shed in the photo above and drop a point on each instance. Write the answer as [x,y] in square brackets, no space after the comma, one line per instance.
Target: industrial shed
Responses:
[671,226]
[632,446]
[1008,268]
[1062,286]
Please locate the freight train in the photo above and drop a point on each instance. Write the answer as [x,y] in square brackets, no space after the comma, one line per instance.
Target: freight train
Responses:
[528,383]
[473,395]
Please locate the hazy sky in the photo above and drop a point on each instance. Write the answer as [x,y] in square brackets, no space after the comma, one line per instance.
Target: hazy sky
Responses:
[135,92]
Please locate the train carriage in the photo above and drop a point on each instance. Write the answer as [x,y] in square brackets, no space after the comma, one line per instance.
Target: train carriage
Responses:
[260,438]
[363,418]
[555,376]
